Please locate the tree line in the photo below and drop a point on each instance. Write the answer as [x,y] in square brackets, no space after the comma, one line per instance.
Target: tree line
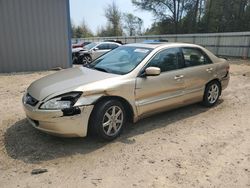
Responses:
[174,17]
[197,16]
[118,24]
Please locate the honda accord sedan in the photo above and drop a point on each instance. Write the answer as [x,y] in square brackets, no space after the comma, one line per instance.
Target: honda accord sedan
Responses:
[126,84]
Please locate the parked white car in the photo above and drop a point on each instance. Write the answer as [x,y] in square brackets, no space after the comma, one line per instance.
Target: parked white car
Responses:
[92,51]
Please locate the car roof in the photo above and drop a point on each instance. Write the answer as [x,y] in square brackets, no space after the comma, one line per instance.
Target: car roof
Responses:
[106,43]
[161,44]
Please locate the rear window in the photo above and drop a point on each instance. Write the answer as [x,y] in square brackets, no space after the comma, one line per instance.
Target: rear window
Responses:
[195,57]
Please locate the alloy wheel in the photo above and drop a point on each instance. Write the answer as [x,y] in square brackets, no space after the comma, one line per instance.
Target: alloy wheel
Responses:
[213,93]
[86,60]
[112,120]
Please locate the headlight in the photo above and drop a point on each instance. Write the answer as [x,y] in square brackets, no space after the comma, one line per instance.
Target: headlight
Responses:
[61,102]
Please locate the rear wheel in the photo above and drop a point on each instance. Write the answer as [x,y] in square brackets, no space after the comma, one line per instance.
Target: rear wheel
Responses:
[108,119]
[212,93]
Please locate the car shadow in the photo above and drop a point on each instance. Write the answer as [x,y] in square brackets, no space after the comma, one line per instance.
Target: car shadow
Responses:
[25,143]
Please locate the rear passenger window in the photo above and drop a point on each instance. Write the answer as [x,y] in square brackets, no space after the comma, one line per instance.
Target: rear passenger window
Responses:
[103,47]
[195,57]
[167,60]
[113,46]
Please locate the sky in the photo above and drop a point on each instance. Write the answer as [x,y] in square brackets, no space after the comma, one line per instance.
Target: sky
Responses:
[92,11]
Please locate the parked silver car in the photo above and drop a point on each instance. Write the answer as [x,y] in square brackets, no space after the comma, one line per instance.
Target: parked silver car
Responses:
[92,51]
[129,83]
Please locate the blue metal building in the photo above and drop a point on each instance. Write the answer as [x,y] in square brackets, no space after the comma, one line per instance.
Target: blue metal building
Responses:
[34,35]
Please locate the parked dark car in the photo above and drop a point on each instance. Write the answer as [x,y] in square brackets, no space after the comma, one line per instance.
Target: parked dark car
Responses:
[117,41]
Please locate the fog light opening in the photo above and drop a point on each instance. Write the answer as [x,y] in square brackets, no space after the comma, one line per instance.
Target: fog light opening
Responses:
[71,111]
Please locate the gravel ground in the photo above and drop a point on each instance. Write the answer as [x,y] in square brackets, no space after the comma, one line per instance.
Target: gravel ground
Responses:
[188,147]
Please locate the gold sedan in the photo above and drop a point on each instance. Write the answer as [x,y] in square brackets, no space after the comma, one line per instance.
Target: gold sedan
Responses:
[126,84]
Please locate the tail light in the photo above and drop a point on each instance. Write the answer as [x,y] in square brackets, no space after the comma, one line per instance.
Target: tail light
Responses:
[227,70]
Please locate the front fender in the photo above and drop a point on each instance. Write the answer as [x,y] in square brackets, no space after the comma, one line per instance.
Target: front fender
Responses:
[88,100]
[82,53]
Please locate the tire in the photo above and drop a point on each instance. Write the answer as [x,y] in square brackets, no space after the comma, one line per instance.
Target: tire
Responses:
[74,60]
[212,94]
[107,119]
[86,59]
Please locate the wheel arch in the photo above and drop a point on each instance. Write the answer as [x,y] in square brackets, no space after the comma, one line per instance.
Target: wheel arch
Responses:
[214,80]
[83,55]
[128,107]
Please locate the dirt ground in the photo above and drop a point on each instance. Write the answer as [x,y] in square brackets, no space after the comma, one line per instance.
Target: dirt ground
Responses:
[188,147]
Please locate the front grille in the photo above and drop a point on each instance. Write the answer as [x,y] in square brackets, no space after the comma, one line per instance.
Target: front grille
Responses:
[30,100]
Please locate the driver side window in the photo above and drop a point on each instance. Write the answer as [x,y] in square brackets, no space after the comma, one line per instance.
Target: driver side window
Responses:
[103,47]
[167,60]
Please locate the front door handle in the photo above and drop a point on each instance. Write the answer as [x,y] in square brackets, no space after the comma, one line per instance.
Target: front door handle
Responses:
[178,77]
[209,69]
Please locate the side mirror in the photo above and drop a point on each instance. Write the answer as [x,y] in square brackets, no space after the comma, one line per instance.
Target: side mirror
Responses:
[152,71]
[95,49]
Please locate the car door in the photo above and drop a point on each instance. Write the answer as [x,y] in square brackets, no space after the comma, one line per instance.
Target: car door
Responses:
[100,50]
[198,71]
[113,46]
[157,93]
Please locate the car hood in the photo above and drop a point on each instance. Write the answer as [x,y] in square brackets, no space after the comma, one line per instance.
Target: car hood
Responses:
[65,79]
[77,49]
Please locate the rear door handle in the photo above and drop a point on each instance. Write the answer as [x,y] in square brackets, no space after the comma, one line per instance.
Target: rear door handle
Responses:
[209,69]
[177,77]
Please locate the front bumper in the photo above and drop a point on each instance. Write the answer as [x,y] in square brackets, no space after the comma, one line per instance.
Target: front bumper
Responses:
[55,123]
[75,56]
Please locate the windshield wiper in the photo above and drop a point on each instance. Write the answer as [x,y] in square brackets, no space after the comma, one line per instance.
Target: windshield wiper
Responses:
[100,69]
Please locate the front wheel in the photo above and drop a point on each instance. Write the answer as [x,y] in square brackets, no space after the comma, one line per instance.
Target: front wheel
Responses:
[86,60]
[108,119]
[212,94]
[74,60]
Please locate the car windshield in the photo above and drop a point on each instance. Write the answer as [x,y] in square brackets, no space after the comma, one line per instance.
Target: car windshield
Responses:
[89,46]
[121,60]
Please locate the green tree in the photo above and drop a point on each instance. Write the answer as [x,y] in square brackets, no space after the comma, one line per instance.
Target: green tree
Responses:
[86,30]
[113,15]
[194,11]
[105,31]
[226,16]
[189,16]
[132,24]
[78,32]
[81,31]
[246,17]
[161,27]
[170,11]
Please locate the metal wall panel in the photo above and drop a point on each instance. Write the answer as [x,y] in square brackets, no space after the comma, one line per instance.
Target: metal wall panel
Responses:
[34,35]
[235,44]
